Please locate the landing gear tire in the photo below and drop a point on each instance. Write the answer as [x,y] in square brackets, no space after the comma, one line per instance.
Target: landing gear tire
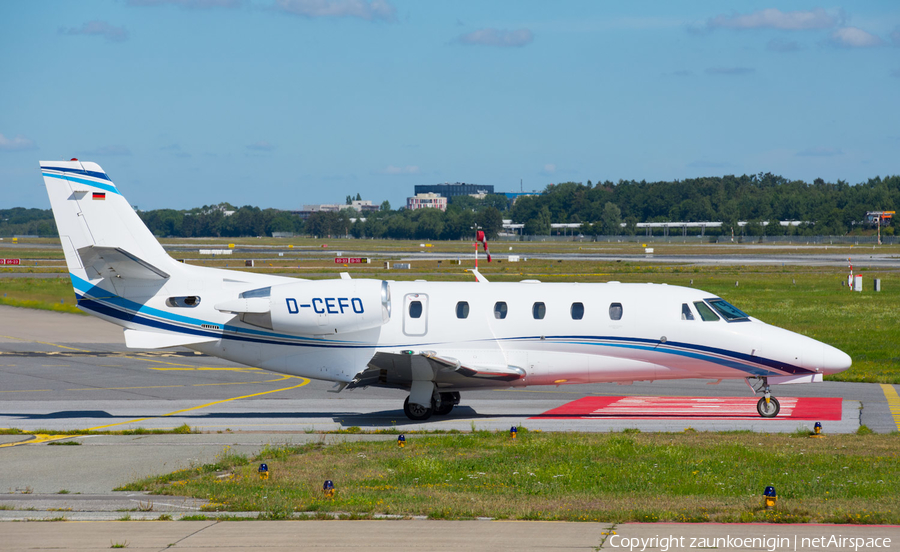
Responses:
[416,412]
[448,401]
[770,409]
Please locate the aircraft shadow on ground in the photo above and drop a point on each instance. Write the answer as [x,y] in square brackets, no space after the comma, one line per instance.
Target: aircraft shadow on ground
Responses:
[380,418]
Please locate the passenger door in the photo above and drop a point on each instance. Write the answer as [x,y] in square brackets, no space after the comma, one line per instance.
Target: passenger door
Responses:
[415,314]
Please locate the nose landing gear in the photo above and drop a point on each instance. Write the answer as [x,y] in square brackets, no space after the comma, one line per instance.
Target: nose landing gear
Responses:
[768,406]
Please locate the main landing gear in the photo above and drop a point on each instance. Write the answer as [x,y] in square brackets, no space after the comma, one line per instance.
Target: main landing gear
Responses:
[768,406]
[441,404]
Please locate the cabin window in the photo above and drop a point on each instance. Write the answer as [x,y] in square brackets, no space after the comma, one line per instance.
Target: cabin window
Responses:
[261,292]
[500,310]
[190,301]
[728,311]
[686,313]
[462,309]
[538,311]
[415,309]
[577,311]
[615,311]
[706,313]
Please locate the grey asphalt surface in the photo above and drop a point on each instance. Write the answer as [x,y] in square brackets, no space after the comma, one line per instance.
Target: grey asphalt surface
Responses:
[427,535]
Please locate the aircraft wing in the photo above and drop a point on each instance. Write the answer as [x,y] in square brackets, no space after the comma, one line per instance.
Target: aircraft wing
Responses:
[399,370]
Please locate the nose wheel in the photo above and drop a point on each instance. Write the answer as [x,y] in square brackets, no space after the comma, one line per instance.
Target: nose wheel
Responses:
[768,407]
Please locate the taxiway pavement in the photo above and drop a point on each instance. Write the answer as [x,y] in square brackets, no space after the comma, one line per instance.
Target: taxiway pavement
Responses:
[71,372]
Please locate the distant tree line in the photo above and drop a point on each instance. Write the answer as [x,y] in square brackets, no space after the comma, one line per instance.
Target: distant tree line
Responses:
[20,221]
[830,208]
[601,209]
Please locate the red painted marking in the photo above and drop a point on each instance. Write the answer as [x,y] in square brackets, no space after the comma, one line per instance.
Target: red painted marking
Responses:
[351,260]
[704,408]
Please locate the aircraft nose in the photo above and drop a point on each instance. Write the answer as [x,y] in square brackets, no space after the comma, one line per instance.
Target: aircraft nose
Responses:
[825,358]
[834,360]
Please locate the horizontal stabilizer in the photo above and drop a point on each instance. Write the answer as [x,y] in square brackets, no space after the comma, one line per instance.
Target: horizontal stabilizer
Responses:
[138,339]
[252,305]
[115,262]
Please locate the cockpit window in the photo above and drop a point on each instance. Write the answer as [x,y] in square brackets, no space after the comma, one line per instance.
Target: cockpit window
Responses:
[706,313]
[728,311]
[686,313]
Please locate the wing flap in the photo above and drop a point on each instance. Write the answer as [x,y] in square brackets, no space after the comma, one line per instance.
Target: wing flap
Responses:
[396,370]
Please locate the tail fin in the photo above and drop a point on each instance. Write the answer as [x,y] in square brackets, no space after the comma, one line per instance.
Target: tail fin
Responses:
[101,235]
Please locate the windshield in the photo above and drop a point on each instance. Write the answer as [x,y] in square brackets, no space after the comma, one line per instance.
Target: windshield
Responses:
[728,311]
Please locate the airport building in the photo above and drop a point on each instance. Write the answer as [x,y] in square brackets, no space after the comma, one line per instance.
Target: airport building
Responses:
[426,200]
[458,189]
[360,206]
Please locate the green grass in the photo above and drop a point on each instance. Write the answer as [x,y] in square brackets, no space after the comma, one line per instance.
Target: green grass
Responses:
[692,476]
[54,294]
[182,429]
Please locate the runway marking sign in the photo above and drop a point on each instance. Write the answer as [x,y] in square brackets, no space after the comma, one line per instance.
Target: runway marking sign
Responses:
[9,262]
[703,408]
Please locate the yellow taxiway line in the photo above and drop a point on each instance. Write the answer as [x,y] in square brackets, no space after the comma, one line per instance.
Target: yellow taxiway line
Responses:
[305,381]
[893,401]
[38,438]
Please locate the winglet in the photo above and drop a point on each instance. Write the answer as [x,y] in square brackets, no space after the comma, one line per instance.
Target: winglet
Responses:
[478,277]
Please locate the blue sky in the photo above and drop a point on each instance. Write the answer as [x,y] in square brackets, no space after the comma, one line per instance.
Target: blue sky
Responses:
[280,103]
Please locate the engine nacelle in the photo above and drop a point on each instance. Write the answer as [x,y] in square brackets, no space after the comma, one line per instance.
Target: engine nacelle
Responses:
[329,307]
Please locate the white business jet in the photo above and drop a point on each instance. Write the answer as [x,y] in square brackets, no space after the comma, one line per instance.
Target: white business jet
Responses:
[434,339]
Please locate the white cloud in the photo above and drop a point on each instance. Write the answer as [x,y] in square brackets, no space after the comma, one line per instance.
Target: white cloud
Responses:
[498,37]
[261,145]
[370,10]
[820,152]
[782,46]
[409,169]
[98,28]
[109,150]
[193,4]
[773,18]
[853,37]
[732,71]
[19,143]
